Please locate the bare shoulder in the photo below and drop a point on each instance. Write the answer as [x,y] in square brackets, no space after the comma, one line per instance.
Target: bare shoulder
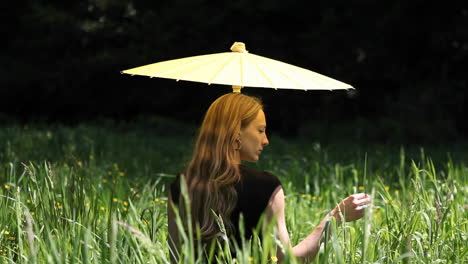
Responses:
[276,203]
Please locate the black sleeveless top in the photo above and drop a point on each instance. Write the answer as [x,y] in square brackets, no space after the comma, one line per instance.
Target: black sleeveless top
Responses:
[254,190]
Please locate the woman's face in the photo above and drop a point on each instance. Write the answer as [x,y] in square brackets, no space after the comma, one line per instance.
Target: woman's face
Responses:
[253,138]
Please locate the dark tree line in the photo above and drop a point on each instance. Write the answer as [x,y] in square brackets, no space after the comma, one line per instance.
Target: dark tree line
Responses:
[407,59]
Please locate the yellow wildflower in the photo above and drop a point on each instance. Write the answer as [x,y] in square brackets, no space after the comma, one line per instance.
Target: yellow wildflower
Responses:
[387,188]
[28,201]
[104,180]
[11,238]
[361,188]
[115,200]
[274,259]
[6,186]
[122,174]
[304,195]
[102,208]
[6,232]
[125,203]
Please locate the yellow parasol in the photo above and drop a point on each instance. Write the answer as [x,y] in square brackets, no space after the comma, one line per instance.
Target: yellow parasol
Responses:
[239,68]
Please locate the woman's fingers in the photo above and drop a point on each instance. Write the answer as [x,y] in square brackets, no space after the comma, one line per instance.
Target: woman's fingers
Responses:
[360,195]
[352,207]
[363,201]
[362,207]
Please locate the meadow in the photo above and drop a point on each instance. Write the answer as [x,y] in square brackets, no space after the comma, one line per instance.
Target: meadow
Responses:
[97,193]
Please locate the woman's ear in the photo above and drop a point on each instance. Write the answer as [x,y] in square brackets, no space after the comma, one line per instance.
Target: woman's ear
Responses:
[238,141]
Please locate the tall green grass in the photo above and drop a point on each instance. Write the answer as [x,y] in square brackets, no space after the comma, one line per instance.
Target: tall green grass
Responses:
[98,194]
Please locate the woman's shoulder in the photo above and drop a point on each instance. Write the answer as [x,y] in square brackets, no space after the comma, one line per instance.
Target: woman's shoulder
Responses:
[255,189]
[253,176]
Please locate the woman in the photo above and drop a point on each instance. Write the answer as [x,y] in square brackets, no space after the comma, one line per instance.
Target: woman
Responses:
[234,130]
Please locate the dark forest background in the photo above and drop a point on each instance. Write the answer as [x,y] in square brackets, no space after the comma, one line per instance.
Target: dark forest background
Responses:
[61,63]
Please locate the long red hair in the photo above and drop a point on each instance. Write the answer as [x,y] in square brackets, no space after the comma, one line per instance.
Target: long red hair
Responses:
[213,170]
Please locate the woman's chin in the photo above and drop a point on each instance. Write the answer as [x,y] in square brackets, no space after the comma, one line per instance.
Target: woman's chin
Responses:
[254,158]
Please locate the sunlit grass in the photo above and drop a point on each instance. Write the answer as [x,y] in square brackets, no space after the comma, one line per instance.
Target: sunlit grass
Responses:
[98,195]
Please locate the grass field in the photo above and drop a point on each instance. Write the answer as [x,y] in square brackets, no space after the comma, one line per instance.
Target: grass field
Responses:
[97,194]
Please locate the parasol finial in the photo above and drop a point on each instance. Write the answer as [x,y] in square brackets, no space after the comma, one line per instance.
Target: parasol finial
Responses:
[238,47]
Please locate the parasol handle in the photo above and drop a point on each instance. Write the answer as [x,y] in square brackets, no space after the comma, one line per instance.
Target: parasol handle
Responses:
[236,89]
[238,47]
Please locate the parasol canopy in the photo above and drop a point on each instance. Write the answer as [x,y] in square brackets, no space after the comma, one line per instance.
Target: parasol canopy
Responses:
[239,68]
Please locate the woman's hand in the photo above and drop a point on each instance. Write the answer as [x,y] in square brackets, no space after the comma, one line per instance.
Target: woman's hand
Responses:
[351,208]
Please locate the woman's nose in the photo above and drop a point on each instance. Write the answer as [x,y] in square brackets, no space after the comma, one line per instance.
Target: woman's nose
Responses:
[265,141]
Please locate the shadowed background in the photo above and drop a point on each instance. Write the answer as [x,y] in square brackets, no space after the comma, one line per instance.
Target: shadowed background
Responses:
[407,60]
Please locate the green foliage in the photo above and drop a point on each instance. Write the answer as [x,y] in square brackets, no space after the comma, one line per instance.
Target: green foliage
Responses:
[93,194]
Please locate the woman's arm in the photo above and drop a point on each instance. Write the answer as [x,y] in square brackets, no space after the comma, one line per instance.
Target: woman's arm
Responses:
[351,208]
